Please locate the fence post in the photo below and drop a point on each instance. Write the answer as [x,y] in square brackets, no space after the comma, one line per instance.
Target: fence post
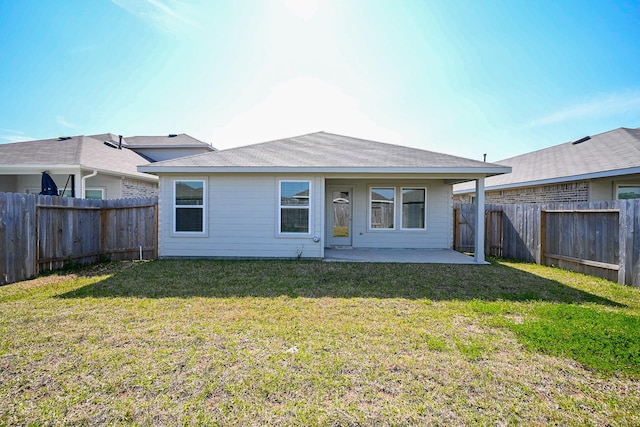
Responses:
[480,210]
[543,236]
[626,231]
[456,224]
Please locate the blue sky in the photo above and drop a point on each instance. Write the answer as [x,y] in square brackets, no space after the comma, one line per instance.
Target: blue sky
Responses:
[459,77]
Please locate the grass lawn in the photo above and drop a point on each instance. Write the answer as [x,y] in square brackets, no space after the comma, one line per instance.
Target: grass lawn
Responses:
[312,343]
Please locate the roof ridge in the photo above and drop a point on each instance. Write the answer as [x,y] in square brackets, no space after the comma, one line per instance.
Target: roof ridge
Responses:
[80,149]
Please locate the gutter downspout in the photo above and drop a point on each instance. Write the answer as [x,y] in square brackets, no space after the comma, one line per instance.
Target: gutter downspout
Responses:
[83,185]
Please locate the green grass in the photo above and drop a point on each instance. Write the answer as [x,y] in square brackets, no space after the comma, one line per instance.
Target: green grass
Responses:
[312,343]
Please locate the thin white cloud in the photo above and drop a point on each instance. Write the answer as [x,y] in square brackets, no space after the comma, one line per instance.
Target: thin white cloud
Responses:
[64,122]
[11,131]
[13,138]
[299,106]
[166,16]
[12,135]
[595,108]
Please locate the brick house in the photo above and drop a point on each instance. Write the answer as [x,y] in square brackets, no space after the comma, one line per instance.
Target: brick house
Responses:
[594,168]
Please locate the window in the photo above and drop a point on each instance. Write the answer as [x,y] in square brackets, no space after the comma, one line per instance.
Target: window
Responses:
[382,208]
[625,192]
[413,212]
[294,206]
[189,206]
[94,193]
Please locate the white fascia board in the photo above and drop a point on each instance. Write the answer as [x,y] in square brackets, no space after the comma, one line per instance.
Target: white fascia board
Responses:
[34,169]
[30,169]
[471,172]
[141,176]
[160,147]
[594,175]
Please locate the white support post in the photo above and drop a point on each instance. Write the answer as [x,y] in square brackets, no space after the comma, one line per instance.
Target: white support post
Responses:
[479,251]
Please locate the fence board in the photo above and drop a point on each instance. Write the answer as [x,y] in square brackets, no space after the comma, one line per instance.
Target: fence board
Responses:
[4,236]
[597,238]
[40,233]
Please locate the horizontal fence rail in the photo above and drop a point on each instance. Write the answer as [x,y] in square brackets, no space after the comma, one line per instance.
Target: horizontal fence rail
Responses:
[596,238]
[41,233]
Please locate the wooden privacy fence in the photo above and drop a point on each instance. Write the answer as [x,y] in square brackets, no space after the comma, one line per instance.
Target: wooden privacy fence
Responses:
[41,233]
[597,238]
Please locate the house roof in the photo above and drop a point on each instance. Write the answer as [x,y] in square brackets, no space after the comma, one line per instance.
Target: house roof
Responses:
[612,153]
[108,137]
[180,140]
[325,152]
[82,151]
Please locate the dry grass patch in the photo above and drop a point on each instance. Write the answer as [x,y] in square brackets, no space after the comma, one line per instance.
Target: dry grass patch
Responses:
[304,343]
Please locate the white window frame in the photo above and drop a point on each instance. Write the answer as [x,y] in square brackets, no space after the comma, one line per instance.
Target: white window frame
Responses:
[203,207]
[401,214]
[395,214]
[622,185]
[101,189]
[280,207]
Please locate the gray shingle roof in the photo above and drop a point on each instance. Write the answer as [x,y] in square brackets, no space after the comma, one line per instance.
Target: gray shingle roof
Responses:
[322,150]
[108,137]
[180,140]
[602,154]
[80,151]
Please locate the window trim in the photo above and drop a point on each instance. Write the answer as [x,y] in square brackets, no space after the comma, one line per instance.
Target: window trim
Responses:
[203,207]
[402,227]
[622,185]
[103,191]
[369,208]
[280,207]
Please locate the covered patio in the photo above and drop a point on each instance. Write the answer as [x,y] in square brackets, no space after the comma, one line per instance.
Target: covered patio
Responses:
[417,256]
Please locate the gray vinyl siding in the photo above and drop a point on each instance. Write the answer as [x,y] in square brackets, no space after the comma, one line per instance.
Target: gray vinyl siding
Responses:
[607,188]
[241,219]
[8,184]
[439,220]
[111,185]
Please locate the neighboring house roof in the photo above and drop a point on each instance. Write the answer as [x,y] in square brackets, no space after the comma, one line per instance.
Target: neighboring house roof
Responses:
[180,140]
[325,152]
[109,137]
[83,151]
[611,153]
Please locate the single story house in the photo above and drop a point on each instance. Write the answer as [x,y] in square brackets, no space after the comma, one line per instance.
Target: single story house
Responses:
[96,167]
[594,168]
[293,197]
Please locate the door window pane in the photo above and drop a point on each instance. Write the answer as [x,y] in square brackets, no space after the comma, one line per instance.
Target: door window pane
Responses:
[341,213]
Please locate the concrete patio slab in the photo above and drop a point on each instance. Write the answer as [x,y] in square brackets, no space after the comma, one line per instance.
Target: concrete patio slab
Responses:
[420,256]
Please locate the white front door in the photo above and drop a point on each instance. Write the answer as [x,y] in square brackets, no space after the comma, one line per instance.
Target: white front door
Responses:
[339,209]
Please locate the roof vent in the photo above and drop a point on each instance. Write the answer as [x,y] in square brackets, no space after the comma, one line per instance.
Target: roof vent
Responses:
[578,141]
[63,138]
[173,135]
[110,144]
